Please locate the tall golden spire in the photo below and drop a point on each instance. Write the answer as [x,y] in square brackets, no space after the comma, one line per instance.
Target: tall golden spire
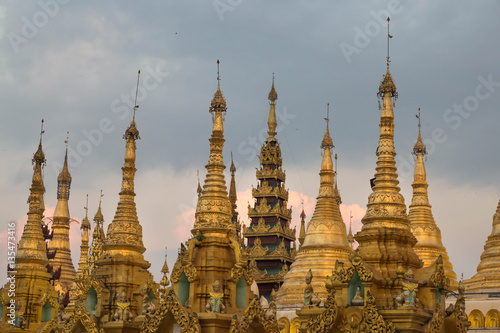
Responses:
[84,247]
[60,228]
[125,232]
[214,208]
[325,239]
[429,245]
[63,188]
[386,238]
[98,238]
[326,225]
[31,253]
[232,192]
[487,277]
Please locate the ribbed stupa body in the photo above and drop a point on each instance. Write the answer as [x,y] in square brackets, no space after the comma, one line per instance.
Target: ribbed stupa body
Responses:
[386,238]
[34,293]
[487,277]
[325,240]
[429,245]
[60,227]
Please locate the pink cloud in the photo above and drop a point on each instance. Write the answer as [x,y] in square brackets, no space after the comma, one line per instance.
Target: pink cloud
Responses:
[184,223]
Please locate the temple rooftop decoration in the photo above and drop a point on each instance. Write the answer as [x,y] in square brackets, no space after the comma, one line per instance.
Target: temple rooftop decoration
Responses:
[269,236]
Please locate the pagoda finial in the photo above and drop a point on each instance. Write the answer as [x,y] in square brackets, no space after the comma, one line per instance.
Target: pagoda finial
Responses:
[387,85]
[198,190]
[232,192]
[86,206]
[272,123]
[132,131]
[218,105]
[98,216]
[136,106]
[327,140]
[388,38]
[419,145]
[41,131]
[63,185]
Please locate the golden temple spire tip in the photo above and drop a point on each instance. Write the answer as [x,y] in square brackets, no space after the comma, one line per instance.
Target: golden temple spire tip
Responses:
[136,92]
[419,145]
[388,38]
[327,139]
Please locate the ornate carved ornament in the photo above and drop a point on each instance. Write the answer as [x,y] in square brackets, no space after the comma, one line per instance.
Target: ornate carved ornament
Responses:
[266,172]
[183,265]
[324,322]
[81,315]
[438,278]
[48,295]
[370,321]
[237,272]
[357,265]
[188,321]
[252,312]
[257,250]
[434,326]
[90,282]
[270,191]
[255,272]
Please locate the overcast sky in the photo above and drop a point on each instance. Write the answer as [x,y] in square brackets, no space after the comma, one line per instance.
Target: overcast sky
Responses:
[74,64]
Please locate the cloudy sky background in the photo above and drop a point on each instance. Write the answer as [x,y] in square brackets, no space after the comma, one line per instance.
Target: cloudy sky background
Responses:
[75,65]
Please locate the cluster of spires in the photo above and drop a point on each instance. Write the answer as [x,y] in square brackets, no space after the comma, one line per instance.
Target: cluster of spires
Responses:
[215,189]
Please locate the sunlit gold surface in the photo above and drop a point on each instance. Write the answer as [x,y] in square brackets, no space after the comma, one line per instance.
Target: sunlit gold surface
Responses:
[385,237]
[214,253]
[32,286]
[324,243]
[487,277]
[429,245]
[60,227]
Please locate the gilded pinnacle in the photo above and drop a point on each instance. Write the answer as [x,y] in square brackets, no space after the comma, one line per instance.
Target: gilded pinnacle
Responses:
[214,208]
[387,86]
[218,102]
[272,123]
[419,145]
[273,95]
[327,139]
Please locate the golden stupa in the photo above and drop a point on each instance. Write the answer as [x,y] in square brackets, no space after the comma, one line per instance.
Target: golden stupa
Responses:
[28,284]
[210,282]
[385,288]
[60,228]
[325,239]
[111,297]
[487,277]
[429,245]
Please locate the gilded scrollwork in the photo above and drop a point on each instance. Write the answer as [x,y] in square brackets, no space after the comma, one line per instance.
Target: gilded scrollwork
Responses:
[255,272]
[257,250]
[372,320]
[325,321]
[252,312]
[188,321]
[434,326]
[82,316]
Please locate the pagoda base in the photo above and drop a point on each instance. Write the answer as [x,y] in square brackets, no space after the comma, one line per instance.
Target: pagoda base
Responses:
[305,313]
[122,327]
[406,319]
[211,322]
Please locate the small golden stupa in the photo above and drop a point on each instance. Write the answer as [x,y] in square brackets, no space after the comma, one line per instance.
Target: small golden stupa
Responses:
[60,227]
[325,240]
[429,245]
